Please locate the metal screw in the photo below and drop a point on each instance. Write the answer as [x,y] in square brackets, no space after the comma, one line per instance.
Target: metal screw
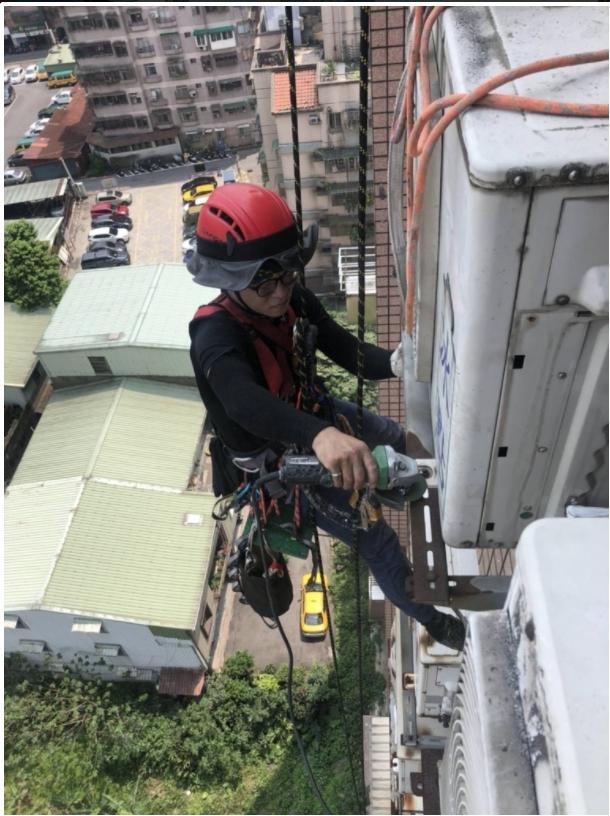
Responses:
[562,300]
[518,181]
[574,175]
[562,375]
[541,449]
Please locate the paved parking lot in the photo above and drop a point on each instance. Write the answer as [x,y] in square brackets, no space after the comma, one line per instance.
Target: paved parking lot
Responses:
[156,212]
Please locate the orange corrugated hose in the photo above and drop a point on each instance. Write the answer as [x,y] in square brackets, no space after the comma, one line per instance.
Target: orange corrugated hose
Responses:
[421,140]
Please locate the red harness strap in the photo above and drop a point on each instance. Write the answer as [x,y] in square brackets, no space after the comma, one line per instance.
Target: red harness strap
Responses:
[276,366]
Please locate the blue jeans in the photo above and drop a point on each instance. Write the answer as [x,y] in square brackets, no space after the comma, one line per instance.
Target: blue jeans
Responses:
[379,545]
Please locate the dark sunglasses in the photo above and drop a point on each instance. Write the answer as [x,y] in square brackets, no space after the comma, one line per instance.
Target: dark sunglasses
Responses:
[267,287]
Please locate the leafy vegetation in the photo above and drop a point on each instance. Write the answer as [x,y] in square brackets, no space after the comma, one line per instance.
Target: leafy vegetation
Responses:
[75,745]
[339,382]
[32,278]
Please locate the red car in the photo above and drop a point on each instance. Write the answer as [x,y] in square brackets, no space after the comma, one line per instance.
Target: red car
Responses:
[109,207]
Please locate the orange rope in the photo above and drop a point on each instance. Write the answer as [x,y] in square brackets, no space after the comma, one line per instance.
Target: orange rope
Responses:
[465,101]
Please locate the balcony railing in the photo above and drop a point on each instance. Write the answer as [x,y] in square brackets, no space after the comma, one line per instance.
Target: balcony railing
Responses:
[187,94]
[145,50]
[177,72]
[148,78]
[162,19]
[158,101]
[138,25]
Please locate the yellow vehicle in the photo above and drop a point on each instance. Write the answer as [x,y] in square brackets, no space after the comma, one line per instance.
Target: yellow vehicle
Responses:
[191,214]
[314,615]
[195,192]
[41,72]
[62,78]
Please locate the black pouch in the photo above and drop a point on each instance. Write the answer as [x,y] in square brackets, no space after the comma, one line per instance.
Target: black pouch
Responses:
[226,477]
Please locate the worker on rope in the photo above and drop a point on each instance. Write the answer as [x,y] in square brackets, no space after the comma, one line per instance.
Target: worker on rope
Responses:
[242,352]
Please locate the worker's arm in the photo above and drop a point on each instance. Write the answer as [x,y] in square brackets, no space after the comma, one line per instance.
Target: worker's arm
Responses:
[342,347]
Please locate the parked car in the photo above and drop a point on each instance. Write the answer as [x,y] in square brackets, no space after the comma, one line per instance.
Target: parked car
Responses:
[38,126]
[188,245]
[104,256]
[198,180]
[16,176]
[24,142]
[113,195]
[107,243]
[7,75]
[31,74]
[196,202]
[228,176]
[198,191]
[47,112]
[314,615]
[62,98]
[189,231]
[16,159]
[111,220]
[99,233]
[62,78]
[9,94]
[192,214]
[108,207]
[41,72]
[16,75]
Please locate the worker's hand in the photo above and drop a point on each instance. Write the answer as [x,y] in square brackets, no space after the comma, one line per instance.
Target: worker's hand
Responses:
[348,459]
[396,361]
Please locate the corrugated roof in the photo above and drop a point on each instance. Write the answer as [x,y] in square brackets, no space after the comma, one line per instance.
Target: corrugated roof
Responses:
[65,135]
[46,228]
[61,56]
[139,305]
[34,191]
[130,430]
[22,333]
[307,94]
[127,552]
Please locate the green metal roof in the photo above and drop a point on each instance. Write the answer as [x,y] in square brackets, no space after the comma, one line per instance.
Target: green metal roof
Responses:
[137,431]
[58,56]
[22,332]
[149,306]
[119,551]
[46,228]
[34,191]
[215,30]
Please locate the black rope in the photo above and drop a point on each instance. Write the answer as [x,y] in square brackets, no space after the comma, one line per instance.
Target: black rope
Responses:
[294,121]
[362,194]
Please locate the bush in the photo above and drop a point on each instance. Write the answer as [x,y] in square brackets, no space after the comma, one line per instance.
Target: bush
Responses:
[32,277]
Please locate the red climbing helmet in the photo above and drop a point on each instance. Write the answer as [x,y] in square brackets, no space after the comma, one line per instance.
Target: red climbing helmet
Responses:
[240,227]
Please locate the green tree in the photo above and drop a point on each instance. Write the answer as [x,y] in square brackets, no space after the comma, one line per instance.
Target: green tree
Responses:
[31,273]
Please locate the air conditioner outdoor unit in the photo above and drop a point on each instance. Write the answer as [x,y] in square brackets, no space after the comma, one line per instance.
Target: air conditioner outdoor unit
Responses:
[192,93]
[528,732]
[155,16]
[314,119]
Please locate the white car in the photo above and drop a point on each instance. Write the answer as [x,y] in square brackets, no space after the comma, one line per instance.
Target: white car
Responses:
[31,74]
[38,126]
[16,176]
[62,97]
[17,75]
[7,77]
[104,233]
[189,245]
[113,195]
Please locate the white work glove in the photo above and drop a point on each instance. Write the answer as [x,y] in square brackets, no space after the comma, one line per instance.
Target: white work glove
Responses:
[396,362]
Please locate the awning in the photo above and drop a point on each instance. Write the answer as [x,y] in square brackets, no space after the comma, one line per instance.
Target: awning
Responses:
[181,682]
[218,30]
[34,191]
[327,153]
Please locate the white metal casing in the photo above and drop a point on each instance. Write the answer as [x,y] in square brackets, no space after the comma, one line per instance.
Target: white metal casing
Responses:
[513,348]
[529,729]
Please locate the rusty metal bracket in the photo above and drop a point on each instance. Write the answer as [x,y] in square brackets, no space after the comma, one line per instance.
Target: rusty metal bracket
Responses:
[430,582]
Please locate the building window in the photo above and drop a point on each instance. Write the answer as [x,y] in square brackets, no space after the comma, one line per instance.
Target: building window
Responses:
[100,365]
[91,50]
[109,99]
[184,92]
[202,41]
[334,121]
[163,15]
[212,88]
[141,122]
[33,646]
[85,23]
[88,626]
[109,76]
[206,64]
[135,98]
[176,69]
[109,650]
[112,20]
[226,60]
[164,142]
[244,27]
[188,114]
[216,111]
[162,117]
[120,49]
[171,42]
[229,84]
[150,69]
[219,36]
[135,16]
[144,47]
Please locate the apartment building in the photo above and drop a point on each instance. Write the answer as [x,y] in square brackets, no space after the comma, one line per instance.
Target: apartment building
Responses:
[165,79]
[328,92]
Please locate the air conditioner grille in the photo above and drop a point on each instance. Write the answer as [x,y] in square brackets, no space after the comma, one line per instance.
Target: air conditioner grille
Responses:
[486,766]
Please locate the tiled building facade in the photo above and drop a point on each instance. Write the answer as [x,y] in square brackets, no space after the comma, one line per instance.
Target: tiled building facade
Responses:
[165,78]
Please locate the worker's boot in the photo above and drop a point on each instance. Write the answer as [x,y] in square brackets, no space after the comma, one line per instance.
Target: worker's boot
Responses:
[448,630]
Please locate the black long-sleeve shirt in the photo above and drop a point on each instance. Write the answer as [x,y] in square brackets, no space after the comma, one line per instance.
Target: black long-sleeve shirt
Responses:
[245,414]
